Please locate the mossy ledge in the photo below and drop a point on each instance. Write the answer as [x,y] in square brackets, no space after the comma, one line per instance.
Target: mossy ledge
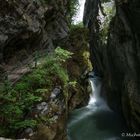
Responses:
[61,72]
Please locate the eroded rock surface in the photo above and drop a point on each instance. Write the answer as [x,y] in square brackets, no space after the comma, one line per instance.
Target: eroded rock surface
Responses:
[30,25]
[119,61]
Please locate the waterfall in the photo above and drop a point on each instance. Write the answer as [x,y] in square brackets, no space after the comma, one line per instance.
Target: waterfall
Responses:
[96,100]
[96,89]
[96,121]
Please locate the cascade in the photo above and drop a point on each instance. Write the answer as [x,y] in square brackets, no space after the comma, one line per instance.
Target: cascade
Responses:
[96,121]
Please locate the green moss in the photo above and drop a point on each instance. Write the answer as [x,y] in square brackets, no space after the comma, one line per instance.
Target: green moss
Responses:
[78,44]
[105,22]
[32,88]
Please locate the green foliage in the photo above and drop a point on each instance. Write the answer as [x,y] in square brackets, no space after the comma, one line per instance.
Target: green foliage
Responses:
[41,91]
[62,55]
[24,124]
[79,25]
[18,100]
[72,8]
[73,84]
[79,34]
[109,9]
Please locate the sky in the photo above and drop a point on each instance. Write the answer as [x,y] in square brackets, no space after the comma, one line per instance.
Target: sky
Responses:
[79,15]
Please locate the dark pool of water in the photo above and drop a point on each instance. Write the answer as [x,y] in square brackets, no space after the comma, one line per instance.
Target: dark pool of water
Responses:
[96,121]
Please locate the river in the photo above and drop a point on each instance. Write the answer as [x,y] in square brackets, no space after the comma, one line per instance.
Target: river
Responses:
[96,121]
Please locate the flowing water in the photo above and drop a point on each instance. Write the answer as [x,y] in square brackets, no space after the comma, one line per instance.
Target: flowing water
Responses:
[96,121]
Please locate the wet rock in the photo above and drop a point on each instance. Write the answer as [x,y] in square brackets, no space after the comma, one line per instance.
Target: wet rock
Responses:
[29,131]
[49,113]
[55,92]
[56,108]
[45,133]
[42,108]
[119,60]
[55,131]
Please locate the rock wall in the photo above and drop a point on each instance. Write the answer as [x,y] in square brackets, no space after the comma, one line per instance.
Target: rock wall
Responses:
[119,61]
[30,24]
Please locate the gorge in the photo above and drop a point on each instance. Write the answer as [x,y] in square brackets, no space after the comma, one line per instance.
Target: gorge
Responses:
[96,121]
[118,61]
[46,63]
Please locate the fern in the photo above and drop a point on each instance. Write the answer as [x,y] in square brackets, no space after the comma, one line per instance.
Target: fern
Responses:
[16,101]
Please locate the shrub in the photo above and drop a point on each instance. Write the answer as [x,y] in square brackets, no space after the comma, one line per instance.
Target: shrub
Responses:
[109,9]
[73,6]
[18,100]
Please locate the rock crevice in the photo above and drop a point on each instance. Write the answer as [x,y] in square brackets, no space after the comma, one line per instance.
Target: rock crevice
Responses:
[30,25]
[118,61]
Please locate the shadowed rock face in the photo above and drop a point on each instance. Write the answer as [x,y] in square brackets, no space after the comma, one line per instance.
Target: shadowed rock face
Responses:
[31,24]
[119,61]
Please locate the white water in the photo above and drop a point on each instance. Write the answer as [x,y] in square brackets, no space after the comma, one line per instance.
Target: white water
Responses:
[96,121]
[95,97]
[96,89]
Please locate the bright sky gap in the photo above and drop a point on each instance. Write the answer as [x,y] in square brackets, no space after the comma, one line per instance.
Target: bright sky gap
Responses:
[79,16]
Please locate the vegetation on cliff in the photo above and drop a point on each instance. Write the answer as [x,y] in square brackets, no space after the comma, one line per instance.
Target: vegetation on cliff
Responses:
[54,82]
[62,68]
[114,51]
[109,10]
[72,8]
[16,101]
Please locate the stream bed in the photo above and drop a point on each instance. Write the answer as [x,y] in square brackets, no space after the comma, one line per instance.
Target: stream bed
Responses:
[96,121]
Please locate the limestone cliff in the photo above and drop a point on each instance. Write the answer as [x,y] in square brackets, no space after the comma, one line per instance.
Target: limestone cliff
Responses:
[30,24]
[119,61]
[29,28]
